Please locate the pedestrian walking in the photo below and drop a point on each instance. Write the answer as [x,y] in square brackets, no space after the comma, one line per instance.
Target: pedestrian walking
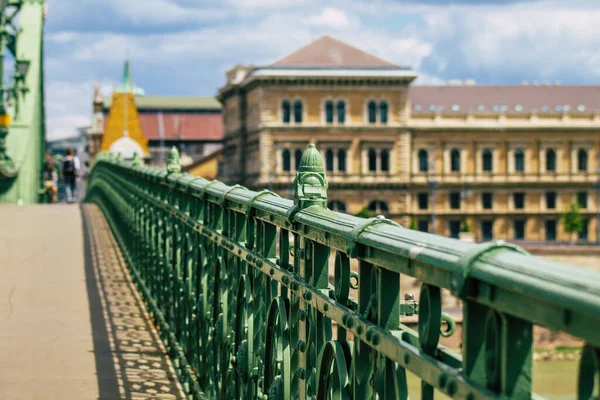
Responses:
[50,178]
[70,171]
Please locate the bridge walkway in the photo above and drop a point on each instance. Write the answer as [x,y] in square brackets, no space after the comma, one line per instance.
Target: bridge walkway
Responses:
[72,325]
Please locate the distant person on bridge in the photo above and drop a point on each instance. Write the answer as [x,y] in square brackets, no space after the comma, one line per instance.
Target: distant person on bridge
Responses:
[50,177]
[70,171]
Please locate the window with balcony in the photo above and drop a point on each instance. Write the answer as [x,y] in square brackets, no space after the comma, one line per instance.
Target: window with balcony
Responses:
[286,158]
[298,111]
[519,160]
[454,200]
[285,112]
[341,112]
[423,201]
[487,160]
[582,199]
[455,160]
[519,229]
[550,200]
[329,160]
[383,112]
[337,205]
[487,230]
[519,200]
[487,200]
[550,160]
[298,156]
[372,160]
[454,226]
[385,160]
[341,160]
[423,160]
[550,229]
[329,112]
[372,111]
[582,160]
[585,224]
[378,207]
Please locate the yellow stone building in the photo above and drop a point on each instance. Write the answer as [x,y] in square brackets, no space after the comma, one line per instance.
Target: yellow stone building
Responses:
[508,159]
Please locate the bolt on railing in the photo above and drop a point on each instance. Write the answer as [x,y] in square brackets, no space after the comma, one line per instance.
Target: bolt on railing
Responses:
[238,282]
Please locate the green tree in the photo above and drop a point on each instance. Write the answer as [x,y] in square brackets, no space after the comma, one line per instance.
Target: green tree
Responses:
[571,220]
[413,224]
[465,226]
[365,213]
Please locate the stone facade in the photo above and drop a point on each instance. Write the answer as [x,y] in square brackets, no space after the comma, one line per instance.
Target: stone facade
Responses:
[509,169]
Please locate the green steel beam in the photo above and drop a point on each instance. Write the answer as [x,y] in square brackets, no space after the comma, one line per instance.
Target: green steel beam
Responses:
[238,282]
[20,178]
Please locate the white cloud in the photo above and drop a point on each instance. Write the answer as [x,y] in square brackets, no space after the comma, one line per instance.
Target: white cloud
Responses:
[330,18]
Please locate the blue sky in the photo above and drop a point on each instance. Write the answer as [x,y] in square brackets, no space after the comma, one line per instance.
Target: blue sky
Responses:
[184,47]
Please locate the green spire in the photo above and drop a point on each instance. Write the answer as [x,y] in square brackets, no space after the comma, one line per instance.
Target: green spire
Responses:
[127,85]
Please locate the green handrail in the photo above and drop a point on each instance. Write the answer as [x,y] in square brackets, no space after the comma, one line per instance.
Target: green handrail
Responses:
[238,282]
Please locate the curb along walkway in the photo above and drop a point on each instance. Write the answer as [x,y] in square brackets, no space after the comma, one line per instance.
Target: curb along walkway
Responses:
[72,325]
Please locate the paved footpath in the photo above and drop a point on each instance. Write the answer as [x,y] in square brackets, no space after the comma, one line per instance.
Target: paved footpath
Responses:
[72,326]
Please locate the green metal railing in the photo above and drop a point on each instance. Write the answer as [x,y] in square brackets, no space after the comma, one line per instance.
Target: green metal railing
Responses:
[238,284]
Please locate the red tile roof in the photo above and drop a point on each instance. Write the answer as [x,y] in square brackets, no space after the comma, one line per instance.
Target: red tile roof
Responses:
[327,52]
[182,126]
[505,98]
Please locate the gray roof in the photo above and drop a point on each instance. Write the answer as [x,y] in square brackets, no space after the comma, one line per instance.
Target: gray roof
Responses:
[523,98]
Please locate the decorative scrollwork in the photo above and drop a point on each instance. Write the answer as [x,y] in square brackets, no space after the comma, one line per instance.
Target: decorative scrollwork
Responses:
[430,317]
[589,374]
[333,373]
[277,354]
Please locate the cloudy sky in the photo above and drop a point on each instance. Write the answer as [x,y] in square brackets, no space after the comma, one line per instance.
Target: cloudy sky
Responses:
[184,47]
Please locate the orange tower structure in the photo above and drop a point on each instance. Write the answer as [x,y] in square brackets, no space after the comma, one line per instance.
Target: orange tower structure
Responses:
[123,133]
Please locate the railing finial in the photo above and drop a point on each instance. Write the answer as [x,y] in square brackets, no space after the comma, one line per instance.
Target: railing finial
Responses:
[137,160]
[310,184]
[173,161]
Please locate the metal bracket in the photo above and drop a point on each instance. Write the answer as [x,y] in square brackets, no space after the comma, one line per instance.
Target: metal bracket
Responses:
[465,263]
[360,228]
[192,181]
[222,199]
[252,199]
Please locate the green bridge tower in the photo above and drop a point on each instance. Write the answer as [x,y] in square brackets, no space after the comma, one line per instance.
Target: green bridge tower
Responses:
[22,119]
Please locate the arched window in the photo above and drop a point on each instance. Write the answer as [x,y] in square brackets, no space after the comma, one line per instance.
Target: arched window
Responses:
[519,160]
[423,160]
[455,160]
[341,112]
[298,157]
[372,160]
[287,160]
[285,111]
[383,110]
[385,160]
[329,160]
[341,160]
[378,207]
[298,111]
[582,160]
[550,160]
[487,161]
[372,109]
[337,205]
[329,112]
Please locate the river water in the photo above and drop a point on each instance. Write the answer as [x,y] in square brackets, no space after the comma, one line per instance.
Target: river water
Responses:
[553,380]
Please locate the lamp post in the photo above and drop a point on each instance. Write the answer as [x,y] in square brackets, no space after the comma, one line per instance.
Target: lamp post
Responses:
[433,185]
